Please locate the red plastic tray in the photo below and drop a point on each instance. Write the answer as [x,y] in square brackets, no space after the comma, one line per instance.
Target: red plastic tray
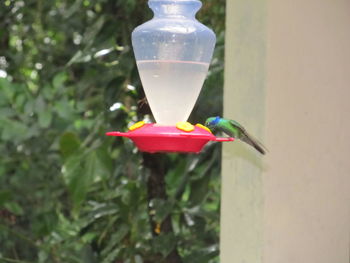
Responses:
[154,138]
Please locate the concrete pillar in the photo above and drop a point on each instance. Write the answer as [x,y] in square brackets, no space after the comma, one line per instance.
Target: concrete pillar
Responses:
[244,101]
[288,81]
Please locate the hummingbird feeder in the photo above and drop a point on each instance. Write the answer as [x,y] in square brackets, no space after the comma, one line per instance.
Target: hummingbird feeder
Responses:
[173,52]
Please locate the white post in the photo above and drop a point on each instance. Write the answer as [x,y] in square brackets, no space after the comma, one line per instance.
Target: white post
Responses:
[244,98]
[288,81]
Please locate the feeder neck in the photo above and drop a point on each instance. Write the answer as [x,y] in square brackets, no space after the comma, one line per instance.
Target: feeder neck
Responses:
[175,8]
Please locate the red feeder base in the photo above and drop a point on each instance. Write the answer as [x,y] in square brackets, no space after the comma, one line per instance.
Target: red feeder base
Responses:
[153,138]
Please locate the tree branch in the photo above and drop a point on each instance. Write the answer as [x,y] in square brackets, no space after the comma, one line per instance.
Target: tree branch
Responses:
[157,189]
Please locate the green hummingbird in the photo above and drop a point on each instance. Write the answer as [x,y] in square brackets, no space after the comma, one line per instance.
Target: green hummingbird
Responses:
[235,130]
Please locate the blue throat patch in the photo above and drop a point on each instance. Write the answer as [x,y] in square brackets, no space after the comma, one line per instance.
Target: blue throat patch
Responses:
[215,121]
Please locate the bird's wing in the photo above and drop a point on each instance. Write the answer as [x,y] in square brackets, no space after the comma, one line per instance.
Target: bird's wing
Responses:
[246,137]
[238,126]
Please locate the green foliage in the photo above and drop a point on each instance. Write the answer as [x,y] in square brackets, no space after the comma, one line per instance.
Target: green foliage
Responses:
[67,192]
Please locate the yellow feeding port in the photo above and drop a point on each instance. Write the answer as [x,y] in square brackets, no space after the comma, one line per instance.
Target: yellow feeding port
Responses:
[203,127]
[185,126]
[137,125]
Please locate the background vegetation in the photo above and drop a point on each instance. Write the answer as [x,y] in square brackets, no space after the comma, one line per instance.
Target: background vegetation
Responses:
[67,192]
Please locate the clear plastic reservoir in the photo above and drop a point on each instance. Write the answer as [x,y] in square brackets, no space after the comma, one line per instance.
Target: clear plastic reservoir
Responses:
[173,52]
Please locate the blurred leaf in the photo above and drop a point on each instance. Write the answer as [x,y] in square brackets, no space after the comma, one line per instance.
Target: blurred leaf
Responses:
[164,243]
[105,159]
[45,118]
[40,104]
[14,208]
[69,144]
[6,89]
[92,31]
[80,172]
[75,178]
[111,251]
[88,255]
[199,190]
[80,57]
[202,255]
[162,209]
[64,109]
[58,81]
[104,210]
[138,259]
[5,196]
[13,130]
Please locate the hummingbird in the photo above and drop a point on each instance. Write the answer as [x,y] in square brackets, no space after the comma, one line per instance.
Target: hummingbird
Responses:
[235,130]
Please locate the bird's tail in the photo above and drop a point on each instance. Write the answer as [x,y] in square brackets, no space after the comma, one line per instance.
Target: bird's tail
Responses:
[253,142]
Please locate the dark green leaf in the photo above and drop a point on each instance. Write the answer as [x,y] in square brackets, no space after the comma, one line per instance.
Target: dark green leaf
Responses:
[164,243]
[199,190]
[5,196]
[45,118]
[161,208]
[69,144]
[14,208]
